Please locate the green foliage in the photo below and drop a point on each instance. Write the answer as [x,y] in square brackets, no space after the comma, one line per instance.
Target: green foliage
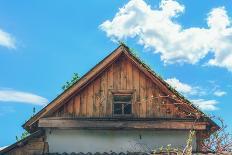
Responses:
[169,150]
[74,79]
[188,148]
[24,135]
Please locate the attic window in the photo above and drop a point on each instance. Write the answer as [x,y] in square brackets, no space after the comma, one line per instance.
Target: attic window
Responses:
[122,104]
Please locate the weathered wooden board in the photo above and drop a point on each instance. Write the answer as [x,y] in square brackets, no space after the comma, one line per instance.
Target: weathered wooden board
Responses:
[77,101]
[83,124]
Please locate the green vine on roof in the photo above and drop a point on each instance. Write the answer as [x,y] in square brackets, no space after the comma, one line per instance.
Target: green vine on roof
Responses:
[74,79]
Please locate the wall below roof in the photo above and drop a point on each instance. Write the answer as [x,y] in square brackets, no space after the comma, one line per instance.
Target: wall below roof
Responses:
[113,141]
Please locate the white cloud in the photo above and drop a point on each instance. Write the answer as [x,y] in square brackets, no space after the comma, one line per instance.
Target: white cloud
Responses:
[179,86]
[209,105]
[6,40]
[9,95]
[189,90]
[157,29]
[184,88]
[219,93]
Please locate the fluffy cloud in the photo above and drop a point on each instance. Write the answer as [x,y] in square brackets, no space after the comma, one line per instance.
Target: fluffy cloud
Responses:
[208,105]
[181,87]
[197,92]
[8,95]
[184,88]
[157,29]
[6,40]
[219,93]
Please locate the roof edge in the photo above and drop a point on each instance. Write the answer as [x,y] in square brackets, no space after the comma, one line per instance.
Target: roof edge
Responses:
[21,142]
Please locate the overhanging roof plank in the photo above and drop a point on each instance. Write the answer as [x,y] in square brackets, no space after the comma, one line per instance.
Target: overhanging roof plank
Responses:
[87,124]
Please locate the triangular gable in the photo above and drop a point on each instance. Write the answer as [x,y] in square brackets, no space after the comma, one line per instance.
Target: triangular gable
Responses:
[98,69]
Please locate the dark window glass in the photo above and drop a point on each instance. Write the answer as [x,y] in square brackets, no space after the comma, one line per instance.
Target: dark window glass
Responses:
[117,108]
[127,109]
[122,104]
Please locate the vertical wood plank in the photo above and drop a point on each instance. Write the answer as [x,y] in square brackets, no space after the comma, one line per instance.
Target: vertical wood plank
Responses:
[65,110]
[97,97]
[129,74]
[62,111]
[109,87]
[83,103]
[162,105]
[143,94]
[123,73]
[77,105]
[110,75]
[103,94]
[136,87]
[149,107]
[159,103]
[70,107]
[89,100]
[155,102]
[116,75]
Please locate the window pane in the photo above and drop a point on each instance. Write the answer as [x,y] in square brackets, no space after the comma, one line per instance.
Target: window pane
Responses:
[122,98]
[127,109]
[117,108]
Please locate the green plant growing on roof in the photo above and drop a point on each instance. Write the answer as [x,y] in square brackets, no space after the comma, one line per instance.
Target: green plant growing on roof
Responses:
[23,135]
[74,79]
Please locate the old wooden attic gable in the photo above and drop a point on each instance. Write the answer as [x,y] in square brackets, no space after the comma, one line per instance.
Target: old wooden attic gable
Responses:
[122,72]
[95,99]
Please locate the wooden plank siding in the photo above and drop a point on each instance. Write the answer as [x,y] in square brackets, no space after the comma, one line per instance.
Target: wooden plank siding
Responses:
[95,100]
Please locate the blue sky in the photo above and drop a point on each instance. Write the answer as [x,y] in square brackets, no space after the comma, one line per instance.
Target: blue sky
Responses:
[42,43]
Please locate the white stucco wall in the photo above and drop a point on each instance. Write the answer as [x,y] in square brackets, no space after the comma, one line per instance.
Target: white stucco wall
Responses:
[111,140]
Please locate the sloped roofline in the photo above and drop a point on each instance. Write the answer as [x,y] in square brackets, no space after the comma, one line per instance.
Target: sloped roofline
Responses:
[173,90]
[21,142]
[83,80]
[99,68]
